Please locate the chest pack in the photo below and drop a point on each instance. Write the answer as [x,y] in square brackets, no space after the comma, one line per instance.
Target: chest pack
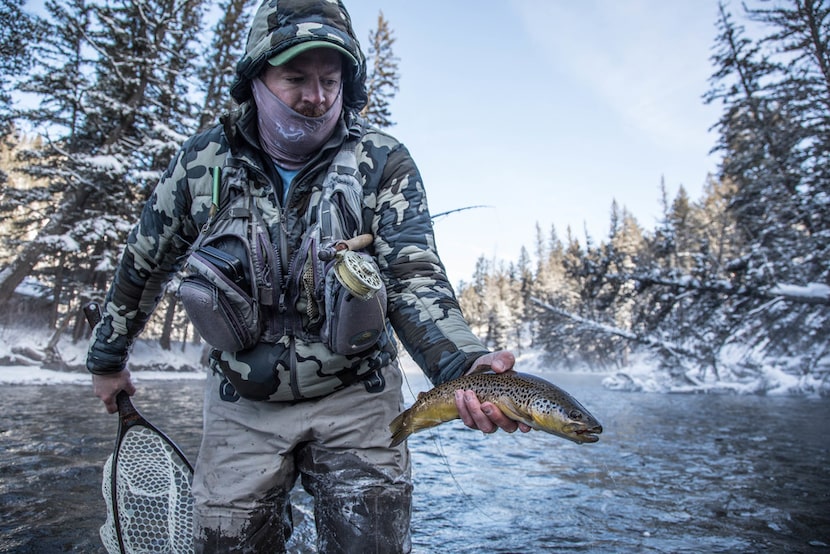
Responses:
[237,295]
[229,276]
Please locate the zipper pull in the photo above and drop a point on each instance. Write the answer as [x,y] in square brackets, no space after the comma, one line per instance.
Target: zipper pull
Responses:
[214,198]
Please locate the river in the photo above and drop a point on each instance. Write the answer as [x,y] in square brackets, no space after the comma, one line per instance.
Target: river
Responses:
[671,473]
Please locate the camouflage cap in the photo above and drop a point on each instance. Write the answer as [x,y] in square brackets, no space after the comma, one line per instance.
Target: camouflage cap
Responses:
[283,25]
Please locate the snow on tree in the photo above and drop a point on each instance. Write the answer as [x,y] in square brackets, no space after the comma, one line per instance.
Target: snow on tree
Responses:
[226,48]
[116,77]
[382,78]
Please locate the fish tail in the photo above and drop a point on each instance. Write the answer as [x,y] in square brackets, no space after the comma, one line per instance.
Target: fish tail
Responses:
[400,428]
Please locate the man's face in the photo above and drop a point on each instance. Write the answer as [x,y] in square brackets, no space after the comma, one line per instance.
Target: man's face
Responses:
[309,83]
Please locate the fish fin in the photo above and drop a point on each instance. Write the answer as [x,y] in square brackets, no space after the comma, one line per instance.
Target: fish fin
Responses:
[509,408]
[400,428]
[409,421]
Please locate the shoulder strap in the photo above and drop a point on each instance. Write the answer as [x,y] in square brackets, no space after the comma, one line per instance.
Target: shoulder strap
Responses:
[339,212]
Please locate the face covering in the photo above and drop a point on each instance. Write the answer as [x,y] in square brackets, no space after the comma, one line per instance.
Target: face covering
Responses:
[291,138]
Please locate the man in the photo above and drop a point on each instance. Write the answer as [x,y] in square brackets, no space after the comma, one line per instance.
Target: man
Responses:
[291,406]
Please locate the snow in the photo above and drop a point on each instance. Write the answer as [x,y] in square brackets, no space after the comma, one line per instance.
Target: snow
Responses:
[27,375]
[814,291]
[106,162]
[62,242]
[18,346]
[32,288]
[768,379]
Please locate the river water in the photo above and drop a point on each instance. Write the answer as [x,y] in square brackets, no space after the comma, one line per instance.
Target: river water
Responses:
[671,473]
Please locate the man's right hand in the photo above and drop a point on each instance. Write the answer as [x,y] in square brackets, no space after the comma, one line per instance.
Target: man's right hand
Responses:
[106,387]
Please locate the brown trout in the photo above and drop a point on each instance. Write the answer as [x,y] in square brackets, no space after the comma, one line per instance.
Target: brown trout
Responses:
[525,398]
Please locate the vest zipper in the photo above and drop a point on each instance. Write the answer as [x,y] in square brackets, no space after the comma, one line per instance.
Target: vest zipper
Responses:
[292,363]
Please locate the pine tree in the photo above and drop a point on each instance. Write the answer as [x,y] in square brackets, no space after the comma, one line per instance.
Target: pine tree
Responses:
[382,78]
[18,30]
[718,228]
[774,137]
[22,198]
[474,300]
[527,328]
[58,81]
[226,48]
[62,78]
[558,285]
[759,137]
[116,136]
[800,41]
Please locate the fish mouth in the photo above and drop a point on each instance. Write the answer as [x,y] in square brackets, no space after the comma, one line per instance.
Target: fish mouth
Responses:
[579,433]
[586,434]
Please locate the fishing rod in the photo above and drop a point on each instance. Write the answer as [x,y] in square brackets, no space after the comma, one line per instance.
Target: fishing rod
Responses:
[448,212]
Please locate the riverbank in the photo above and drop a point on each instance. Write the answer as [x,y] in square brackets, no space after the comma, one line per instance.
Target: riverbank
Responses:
[25,360]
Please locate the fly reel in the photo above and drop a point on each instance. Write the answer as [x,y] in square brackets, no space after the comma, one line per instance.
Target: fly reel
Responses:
[357,274]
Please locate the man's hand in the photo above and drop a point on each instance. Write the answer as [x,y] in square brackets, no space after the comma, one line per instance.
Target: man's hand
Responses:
[106,387]
[487,417]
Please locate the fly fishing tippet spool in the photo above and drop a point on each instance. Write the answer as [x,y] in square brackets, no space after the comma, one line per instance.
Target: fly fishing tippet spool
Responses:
[357,274]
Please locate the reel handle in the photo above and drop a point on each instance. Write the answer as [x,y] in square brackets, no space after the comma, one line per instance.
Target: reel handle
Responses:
[355,243]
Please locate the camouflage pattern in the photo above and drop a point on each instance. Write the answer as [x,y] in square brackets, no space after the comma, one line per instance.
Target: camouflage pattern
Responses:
[422,307]
[281,24]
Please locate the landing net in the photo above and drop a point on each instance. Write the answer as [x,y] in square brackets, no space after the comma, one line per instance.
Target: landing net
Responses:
[152,494]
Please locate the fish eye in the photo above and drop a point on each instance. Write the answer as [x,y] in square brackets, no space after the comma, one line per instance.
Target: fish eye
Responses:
[576,415]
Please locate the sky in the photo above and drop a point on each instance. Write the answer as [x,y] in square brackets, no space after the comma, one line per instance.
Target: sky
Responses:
[546,111]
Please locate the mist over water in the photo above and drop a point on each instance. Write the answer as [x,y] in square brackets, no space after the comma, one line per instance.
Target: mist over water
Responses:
[670,473]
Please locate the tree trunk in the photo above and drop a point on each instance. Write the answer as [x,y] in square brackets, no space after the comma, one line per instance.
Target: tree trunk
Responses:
[58,291]
[169,317]
[21,267]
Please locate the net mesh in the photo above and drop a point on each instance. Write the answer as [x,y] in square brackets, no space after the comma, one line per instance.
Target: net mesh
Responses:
[155,507]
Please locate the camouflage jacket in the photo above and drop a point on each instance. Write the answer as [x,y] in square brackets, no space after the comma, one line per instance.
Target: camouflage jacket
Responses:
[421,307]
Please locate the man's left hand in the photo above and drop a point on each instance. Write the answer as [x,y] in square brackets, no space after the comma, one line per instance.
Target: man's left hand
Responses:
[486,416]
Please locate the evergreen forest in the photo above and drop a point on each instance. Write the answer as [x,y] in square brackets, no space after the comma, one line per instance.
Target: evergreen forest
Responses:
[726,285]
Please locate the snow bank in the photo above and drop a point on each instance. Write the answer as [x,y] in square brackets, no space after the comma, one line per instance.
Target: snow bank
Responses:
[774,378]
[24,361]
[818,292]
[28,375]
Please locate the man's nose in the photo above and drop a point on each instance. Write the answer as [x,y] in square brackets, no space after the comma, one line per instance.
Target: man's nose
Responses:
[314,93]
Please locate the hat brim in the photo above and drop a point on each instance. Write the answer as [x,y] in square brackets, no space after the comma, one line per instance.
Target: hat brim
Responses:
[290,53]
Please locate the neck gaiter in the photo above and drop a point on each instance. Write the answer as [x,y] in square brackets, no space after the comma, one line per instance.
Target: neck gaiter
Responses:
[291,138]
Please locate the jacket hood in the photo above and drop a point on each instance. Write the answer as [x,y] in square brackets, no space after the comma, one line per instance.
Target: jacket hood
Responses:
[281,24]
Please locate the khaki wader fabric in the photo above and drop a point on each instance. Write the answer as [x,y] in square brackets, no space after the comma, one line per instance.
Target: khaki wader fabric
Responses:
[252,453]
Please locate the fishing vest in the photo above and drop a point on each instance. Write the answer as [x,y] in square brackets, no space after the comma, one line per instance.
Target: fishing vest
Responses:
[288,333]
